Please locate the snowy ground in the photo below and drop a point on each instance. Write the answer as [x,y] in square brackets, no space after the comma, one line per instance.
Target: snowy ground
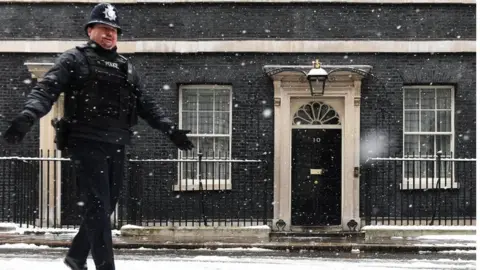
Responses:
[22,257]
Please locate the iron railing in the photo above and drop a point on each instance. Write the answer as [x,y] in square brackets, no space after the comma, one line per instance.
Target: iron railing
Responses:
[419,191]
[42,192]
[197,192]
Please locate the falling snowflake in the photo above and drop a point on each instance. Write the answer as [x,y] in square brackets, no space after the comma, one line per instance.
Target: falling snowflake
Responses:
[267,113]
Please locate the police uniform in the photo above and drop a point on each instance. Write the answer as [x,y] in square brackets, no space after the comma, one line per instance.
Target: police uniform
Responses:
[103,99]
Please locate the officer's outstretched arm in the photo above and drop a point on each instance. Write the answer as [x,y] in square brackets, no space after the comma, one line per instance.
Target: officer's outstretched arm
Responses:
[45,93]
[148,109]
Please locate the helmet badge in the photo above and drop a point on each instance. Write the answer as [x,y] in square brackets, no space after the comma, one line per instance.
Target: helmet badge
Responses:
[110,13]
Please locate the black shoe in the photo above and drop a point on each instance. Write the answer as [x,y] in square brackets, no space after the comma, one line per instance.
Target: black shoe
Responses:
[75,264]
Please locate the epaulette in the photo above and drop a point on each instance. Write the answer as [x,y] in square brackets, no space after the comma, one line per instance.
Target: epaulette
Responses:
[82,47]
[123,57]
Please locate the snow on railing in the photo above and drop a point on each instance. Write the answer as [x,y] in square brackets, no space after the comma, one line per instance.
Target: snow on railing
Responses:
[132,160]
[420,159]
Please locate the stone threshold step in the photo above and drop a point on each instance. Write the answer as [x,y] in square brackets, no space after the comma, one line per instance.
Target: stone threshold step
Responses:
[340,234]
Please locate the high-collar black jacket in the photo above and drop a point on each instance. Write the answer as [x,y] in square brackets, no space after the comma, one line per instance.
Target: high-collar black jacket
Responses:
[68,68]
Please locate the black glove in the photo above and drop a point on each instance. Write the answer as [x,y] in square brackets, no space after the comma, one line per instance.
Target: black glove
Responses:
[18,128]
[180,139]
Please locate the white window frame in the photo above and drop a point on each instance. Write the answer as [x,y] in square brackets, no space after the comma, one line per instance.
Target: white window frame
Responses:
[430,182]
[208,184]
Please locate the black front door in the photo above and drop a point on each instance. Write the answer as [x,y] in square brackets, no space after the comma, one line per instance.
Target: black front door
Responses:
[316,177]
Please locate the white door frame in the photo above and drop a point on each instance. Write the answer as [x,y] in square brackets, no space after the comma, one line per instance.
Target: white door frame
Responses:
[342,90]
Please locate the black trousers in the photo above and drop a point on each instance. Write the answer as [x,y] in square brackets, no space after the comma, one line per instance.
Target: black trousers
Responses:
[100,170]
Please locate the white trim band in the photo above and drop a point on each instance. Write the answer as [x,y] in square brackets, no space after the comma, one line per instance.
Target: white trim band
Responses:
[256,46]
[470,2]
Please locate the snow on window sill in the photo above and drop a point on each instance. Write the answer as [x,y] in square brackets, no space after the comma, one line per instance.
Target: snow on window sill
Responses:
[217,184]
[428,183]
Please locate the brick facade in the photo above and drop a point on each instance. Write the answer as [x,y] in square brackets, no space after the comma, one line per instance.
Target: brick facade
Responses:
[253,90]
[313,21]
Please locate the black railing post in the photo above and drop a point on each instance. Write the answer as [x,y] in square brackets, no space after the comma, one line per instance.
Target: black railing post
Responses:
[132,200]
[121,200]
[15,203]
[436,188]
[202,191]
[367,196]
[265,186]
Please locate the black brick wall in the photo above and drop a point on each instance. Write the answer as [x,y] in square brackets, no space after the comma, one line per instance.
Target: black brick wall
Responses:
[15,84]
[251,87]
[319,21]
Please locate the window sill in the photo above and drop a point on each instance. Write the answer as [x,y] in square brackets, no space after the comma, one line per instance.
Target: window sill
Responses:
[209,185]
[423,184]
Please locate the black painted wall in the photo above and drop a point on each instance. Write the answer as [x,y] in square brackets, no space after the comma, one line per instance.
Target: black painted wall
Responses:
[311,21]
[252,134]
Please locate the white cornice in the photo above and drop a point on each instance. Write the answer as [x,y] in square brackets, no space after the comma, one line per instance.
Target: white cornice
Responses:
[254,46]
[470,2]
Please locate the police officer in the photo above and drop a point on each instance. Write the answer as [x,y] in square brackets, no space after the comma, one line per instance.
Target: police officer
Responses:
[103,96]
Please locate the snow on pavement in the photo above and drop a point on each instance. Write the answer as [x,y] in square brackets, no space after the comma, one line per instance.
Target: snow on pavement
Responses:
[252,263]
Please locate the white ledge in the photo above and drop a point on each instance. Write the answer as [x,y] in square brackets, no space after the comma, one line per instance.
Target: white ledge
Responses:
[428,184]
[470,2]
[255,46]
[209,185]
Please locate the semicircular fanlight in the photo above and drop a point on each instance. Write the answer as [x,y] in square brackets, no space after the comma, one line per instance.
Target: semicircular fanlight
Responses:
[316,113]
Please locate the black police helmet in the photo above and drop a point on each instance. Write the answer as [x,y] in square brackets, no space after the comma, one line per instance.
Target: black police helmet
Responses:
[104,13]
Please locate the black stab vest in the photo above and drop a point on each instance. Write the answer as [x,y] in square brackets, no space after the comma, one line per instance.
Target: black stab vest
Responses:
[106,98]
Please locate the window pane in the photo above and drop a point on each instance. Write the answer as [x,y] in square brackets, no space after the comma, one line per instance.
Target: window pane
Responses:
[215,171]
[189,169]
[189,172]
[205,147]
[446,171]
[428,121]
[444,100]
[189,100]
[427,98]
[214,148]
[205,123]
[222,146]
[444,122]
[222,100]
[443,144]
[205,100]
[411,99]
[189,121]
[416,170]
[411,121]
[427,146]
[411,145]
[222,123]
[222,151]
